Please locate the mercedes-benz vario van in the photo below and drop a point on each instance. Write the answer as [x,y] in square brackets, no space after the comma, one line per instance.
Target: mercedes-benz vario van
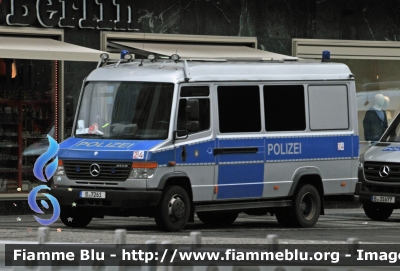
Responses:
[173,138]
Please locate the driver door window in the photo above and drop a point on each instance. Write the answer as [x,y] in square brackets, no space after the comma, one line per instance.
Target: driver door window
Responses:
[194,110]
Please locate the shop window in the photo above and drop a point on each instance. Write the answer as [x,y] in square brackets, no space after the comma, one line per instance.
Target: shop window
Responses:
[284,108]
[239,109]
[27,114]
[378,87]
[328,107]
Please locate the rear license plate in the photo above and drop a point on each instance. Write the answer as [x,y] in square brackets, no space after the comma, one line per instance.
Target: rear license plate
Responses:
[383,199]
[93,194]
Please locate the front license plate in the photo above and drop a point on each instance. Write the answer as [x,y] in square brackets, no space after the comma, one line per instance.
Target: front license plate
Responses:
[383,199]
[93,194]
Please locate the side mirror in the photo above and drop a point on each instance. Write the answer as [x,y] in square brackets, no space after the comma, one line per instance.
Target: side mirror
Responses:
[192,109]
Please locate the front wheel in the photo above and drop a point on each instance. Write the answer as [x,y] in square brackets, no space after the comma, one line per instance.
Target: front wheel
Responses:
[378,213]
[75,217]
[173,211]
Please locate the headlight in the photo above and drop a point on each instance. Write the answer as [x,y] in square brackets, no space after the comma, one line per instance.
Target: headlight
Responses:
[143,170]
[360,164]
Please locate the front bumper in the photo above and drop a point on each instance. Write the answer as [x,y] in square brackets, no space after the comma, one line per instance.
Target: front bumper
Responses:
[366,190]
[121,199]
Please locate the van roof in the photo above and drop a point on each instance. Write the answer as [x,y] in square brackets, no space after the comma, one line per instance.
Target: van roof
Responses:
[211,71]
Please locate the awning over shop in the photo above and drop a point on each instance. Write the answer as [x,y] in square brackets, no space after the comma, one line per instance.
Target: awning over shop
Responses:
[45,49]
[195,51]
[347,49]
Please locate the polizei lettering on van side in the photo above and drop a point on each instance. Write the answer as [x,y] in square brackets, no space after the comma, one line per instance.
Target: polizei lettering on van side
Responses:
[181,140]
[284,148]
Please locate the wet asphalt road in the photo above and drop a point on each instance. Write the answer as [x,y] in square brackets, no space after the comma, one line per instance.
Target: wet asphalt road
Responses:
[334,227]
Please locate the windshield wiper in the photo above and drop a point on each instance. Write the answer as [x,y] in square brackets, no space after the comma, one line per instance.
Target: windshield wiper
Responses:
[89,136]
[129,137]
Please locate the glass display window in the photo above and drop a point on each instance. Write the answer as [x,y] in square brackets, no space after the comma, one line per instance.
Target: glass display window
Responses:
[378,90]
[28,113]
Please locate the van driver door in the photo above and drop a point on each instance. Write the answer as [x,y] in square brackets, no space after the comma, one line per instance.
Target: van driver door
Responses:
[194,143]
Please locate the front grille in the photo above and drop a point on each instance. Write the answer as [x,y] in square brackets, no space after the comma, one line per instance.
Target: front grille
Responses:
[371,171]
[111,171]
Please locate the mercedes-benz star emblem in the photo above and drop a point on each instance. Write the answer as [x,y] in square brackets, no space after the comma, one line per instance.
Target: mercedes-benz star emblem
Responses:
[94,170]
[384,171]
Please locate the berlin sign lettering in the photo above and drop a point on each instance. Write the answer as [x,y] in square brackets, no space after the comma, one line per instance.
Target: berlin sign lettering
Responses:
[113,14]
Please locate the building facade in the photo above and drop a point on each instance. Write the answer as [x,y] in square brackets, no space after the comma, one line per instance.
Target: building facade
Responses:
[47,47]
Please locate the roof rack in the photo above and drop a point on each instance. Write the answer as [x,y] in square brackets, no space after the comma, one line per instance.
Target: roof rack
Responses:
[255,59]
[175,57]
[126,57]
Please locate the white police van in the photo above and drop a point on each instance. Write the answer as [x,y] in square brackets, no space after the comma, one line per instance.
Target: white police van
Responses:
[173,138]
[379,189]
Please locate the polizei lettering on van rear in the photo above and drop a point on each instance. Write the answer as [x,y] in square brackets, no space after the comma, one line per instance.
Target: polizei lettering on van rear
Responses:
[180,140]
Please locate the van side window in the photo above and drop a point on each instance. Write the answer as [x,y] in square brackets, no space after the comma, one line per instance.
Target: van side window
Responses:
[187,120]
[284,108]
[239,109]
[329,107]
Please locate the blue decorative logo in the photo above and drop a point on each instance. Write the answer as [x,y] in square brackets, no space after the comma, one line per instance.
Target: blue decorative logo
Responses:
[50,169]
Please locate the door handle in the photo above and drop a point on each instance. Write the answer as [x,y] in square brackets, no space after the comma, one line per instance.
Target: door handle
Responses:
[235,150]
[183,153]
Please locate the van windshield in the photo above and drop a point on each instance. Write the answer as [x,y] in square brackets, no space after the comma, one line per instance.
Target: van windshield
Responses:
[392,134]
[125,110]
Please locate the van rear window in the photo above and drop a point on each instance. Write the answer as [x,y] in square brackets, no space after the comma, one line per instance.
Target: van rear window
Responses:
[329,107]
[239,109]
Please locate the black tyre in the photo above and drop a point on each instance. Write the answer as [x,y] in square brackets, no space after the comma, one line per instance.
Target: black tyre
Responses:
[173,211]
[376,212]
[306,207]
[217,218]
[75,217]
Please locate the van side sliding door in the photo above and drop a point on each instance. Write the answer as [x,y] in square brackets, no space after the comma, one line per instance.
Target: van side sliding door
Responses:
[240,144]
